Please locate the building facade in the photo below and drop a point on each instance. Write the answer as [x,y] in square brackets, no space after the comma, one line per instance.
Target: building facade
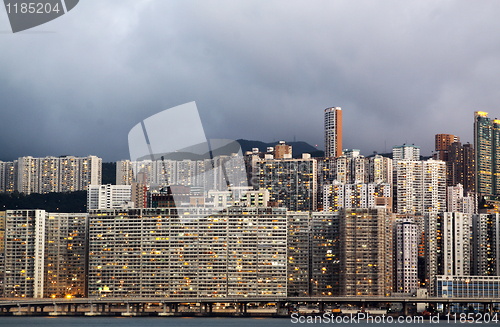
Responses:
[456,243]
[2,250]
[380,170]
[337,195]
[333,132]
[485,246]
[298,247]
[442,145]
[8,176]
[165,253]
[487,160]
[109,196]
[55,174]
[363,250]
[468,286]
[406,152]
[124,173]
[211,174]
[24,253]
[65,255]
[292,183]
[460,166]
[282,150]
[419,187]
[458,202]
[406,240]
[325,254]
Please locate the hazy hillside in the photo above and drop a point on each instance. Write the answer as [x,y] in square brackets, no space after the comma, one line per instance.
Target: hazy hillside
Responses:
[51,202]
[109,173]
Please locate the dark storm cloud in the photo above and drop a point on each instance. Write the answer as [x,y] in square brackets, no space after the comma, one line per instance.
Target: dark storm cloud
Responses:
[401,71]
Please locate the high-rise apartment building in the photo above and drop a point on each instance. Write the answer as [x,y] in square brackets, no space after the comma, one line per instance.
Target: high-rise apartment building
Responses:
[352,168]
[109,196]
[65,255]
[292,183]
[420,186]
[282,150]
[459,160]
[447,246]
[325,254]
[380,170]
[211,174]
[363,253]
[337,195]
[468,167]
[458,202]
[124,173]
[433,249]
[160,253]
[298,253]
[326,170]
[442,145]
[406,241]
[485,245]
[139,195]
[2,250]
[460,166]
[244,197]
[2,231]
[8,177]
[405,152]
[51,174]
[349,168]
[257,251]
[45,254]
[487,160]
[360,169]
[24,253]
[333,132]
[454,164]
[456,243]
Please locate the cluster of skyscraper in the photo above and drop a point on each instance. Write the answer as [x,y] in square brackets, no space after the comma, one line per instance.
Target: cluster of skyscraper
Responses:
[267,224]
[50,174]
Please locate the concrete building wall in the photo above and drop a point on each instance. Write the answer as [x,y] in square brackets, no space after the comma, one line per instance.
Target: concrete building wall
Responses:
[406,239]
[333,132]
[124,174]
[456,244]
[56,174]
[325,254]
[406,152]
[380,170]
[298,247]
[108,196]
[420,186]
[65,255]
[24,253]
[363,252]
[292,183]
[485,244]
[166,253]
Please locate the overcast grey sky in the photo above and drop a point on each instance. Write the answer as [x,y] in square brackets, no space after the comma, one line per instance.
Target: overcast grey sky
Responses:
[402,71]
